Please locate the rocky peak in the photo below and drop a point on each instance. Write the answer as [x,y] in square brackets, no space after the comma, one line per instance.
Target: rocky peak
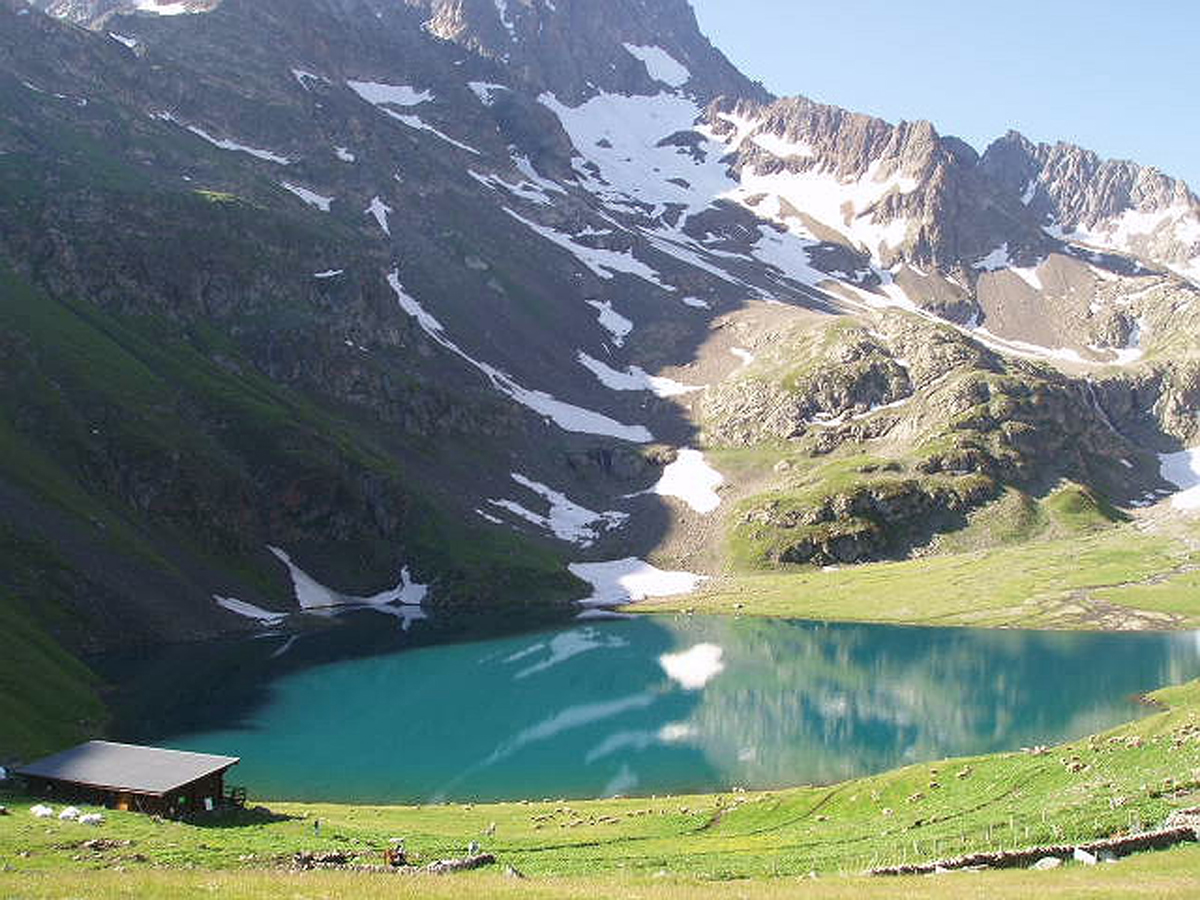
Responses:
[575,48]
[837,140]
[901,192]
[1113,203]
[1078,188]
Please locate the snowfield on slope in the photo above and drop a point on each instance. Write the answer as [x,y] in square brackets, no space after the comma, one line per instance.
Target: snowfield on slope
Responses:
[661,65]
[250,611]
[634,378]
[565,415]
[690,479]
[624,581]
[311,594]
[566,520]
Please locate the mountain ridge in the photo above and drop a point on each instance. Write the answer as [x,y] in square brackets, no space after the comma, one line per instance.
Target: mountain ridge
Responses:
[508,262]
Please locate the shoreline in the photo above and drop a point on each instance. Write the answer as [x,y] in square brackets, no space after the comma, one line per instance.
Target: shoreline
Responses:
[1125,780]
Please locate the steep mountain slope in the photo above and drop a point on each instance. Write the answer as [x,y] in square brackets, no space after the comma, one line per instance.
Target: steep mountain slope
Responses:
[334,304]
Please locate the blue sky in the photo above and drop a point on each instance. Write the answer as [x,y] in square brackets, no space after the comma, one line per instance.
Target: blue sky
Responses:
[1121,78]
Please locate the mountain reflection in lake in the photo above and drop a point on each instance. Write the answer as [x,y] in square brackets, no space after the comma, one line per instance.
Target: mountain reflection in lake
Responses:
[659,705]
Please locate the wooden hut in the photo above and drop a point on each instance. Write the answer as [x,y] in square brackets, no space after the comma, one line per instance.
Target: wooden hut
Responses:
[129,777]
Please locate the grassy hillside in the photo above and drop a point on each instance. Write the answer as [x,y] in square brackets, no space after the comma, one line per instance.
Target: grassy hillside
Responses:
[47,698]
[1167,874]
[1119,781]
[145,466]
[1097,577]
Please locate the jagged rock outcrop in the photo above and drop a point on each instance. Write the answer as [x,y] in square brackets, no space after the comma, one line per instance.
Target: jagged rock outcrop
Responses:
[1115,203]
[575,48]
[913,196]
[881,517]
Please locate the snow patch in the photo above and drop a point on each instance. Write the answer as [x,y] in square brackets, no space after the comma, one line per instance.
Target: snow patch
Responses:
[695,302]
[131,43]
[603,262]
[312,595]
[380,211]
[661,65]
[999,260]
[628,580]
[694,668]
[781,146]
[377,94]
[634,378]
[566,520]
[623,137]
[306,79]
[788,253]
[312,198]
[344,154]
[329,273]
[612,321]
[226,144]
[382,96]
[1023,348]
[485,91]
[1183,470]
[421,125]
[158,8]
[250,611]
[565,415]
[691,479]
[848,207]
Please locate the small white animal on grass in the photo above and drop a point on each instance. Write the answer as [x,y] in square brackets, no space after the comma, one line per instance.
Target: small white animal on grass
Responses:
[41,812]
[69,814]
[91,819]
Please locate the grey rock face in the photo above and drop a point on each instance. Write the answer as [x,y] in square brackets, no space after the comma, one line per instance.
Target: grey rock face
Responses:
[950,211]
[1074,189]
[575,47]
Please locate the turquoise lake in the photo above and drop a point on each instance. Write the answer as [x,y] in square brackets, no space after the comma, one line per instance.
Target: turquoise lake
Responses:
[643,706]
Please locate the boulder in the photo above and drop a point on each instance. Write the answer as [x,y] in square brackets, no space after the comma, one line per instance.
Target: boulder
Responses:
[1047,862]
[449,866]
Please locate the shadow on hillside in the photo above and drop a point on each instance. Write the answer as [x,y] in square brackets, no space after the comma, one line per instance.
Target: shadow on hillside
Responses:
[240,817]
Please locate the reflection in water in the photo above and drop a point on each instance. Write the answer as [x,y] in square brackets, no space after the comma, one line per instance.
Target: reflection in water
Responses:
[693,668]
[662,705]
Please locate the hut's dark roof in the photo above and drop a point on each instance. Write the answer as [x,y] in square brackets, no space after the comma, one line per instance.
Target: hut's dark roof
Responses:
[127,767]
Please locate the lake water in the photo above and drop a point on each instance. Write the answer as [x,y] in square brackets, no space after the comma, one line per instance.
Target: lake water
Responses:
[651,705]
